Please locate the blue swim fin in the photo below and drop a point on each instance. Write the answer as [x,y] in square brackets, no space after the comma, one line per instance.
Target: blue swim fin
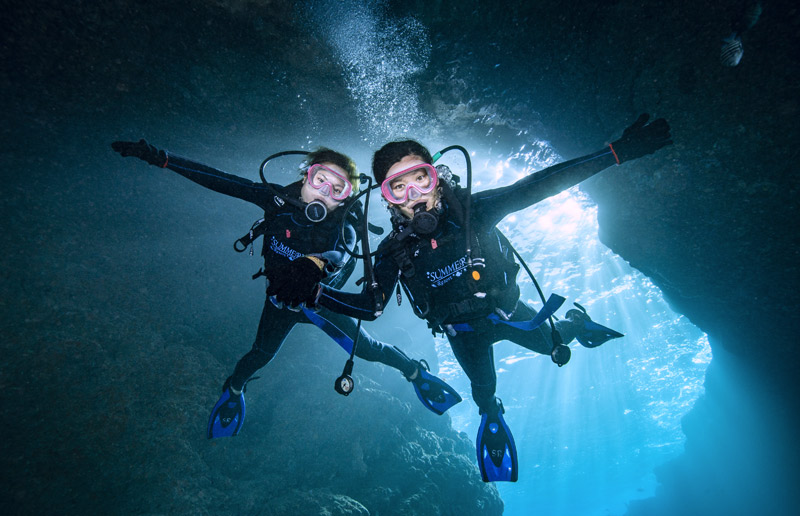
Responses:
[227,416]
[497,453]
[594,334]
[552,304]
[331,329]
[433,392]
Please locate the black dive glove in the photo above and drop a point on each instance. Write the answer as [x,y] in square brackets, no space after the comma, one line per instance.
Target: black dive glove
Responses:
[296,282]
[641,138]
[142,150]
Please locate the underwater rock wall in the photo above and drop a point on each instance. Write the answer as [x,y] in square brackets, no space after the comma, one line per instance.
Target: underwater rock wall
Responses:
[706,220]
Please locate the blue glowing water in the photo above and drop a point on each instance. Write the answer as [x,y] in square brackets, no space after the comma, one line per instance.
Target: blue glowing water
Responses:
[589,434]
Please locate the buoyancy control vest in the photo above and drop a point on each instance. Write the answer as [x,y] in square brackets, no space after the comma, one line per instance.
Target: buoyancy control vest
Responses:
[435,270]
[288,235]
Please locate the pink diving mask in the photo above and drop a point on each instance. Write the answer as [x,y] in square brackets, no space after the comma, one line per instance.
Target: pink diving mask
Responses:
[329,182]
[409,184]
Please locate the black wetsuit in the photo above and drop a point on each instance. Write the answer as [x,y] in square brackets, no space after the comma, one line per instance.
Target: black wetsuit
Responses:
[289,235]
[434,273]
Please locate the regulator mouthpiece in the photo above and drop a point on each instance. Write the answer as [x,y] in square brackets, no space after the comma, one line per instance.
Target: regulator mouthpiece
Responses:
[316,211]
[424,222]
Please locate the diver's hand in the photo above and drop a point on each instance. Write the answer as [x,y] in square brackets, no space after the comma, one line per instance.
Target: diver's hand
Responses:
[142,150]
[642,138]
[297,282]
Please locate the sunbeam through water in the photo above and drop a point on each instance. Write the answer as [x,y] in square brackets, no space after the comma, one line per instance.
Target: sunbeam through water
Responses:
[588,434]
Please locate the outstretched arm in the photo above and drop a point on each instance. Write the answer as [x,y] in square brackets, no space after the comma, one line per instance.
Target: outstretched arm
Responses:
[203,175]
[637,140]
[491,206]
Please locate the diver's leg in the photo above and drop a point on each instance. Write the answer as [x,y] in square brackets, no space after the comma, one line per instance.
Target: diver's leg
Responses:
[228,414]
[497,453]
[539,339]
[369,348]
[434,393]
[576,324]
[274,326]
[474,353]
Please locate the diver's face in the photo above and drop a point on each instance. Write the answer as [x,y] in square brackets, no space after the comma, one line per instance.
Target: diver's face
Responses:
[418,178]
[314,189]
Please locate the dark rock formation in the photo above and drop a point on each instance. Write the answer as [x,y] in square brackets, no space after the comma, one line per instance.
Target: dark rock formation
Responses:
[114,424]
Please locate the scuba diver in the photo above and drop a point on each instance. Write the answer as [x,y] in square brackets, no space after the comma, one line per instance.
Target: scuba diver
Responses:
[459,271]
[302,239]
